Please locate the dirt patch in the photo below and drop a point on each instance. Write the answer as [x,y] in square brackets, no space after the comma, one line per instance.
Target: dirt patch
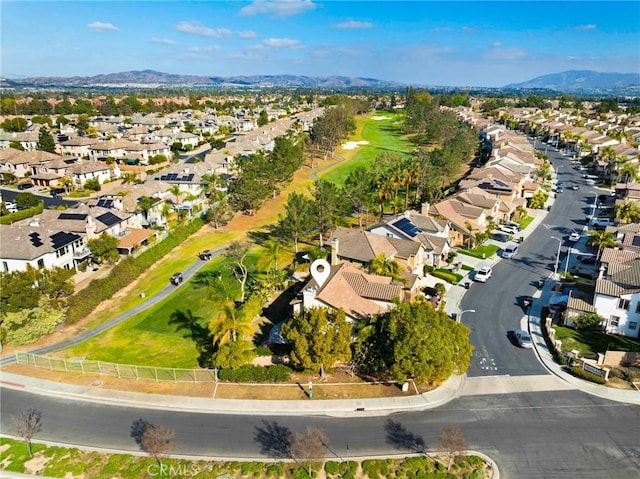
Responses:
[36,464]
[337,385]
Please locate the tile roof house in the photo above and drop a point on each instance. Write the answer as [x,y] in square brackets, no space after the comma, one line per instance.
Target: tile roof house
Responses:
[359,294]
[78,146]
[362,247]
[28,139]
[617,293]
[432,233]
[40,247]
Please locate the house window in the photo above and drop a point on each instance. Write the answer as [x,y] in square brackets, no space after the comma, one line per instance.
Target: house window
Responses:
[5,267]
[633,325]
[624,304]
[638,307]
[614,321]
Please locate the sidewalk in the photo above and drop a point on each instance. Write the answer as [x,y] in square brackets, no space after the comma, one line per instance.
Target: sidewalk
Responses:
[327,407]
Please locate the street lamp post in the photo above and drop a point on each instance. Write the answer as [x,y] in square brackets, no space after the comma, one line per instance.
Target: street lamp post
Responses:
[566,264]
[465,311]
[555,269]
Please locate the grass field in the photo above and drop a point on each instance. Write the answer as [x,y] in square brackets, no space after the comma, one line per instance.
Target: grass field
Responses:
[592,342]
[381,135]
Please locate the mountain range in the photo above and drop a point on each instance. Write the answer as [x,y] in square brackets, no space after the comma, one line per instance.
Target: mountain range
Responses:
[574,81]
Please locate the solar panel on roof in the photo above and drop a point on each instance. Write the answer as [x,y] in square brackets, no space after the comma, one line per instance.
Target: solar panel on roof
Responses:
[407,227]
[636,241]
[189,177]
[61,239]
[108,219]
[35,240]
[72,216]
[105,203]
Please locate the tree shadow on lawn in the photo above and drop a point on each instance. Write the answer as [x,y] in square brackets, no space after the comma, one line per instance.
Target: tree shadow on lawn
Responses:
[200,335]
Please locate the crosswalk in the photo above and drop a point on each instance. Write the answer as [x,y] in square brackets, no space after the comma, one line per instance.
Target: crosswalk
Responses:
[513,384]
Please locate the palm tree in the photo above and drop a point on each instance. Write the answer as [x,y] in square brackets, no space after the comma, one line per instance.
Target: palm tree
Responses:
[383,266]
[628,212]
[601,240]
[629,171]
[146,203]
[175,191]
[274,248]
[611,155]
[229,324]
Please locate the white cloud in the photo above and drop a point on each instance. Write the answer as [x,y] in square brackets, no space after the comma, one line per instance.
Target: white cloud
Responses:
[279,8]
[194,28]
[496,44]
[102,26]
[205,49]
[163,41]
[353,24]
[282,43]
[247,34]
[589,26]
[499,53]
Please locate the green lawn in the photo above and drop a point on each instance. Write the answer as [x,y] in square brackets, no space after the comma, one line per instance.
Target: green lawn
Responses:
[174,332]
[482,251]
[591,342]
[382,135]
[524,222]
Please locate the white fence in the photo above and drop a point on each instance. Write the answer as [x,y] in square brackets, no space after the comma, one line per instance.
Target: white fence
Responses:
[120,371]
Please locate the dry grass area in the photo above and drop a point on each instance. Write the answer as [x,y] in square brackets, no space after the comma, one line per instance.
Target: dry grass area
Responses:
[338,385]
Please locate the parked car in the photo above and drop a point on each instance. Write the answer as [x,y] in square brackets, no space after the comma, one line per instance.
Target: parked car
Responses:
[10,206]
[25,186]
[601,222]
[483,274]
[574,236]
[502,237]
[575,186]
[508,229]
[510,250]
[587,259]
[523,339]
[176,279]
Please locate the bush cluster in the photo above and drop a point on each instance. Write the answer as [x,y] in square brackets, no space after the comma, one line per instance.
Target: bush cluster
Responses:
[342,470]
[582,374]
[448,276]
[125,272]
[21,214]
[256,374]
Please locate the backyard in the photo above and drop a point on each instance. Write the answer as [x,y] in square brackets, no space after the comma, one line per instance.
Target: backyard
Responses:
[589,343]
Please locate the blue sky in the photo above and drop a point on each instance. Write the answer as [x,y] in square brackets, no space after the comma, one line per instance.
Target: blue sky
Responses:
[469,43]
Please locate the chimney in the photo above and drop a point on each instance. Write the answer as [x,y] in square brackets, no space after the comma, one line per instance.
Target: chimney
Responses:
[335,243]
[308,297]
[601,272]
[425,209]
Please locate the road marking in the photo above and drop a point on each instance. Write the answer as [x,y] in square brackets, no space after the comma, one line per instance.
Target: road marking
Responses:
[506,384]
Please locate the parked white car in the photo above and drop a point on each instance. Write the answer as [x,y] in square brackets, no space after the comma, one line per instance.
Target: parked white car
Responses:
[512,230]
[483,274]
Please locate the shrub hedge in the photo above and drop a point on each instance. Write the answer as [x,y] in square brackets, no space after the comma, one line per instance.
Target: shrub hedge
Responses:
[125,272]
[256,374]
[21,214]
[448,276]
[582,374]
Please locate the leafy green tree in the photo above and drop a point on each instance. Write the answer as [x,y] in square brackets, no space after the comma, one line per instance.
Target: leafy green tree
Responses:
[230,325]
[587,321]
[16,145]
[14,125]
[359,189]
[538,200]
[320,337]
[104,248]
[45,141]
[82,124]
[234,354]
[427,346]
[263,118]
[219,213]
[93,184]
[27,326]
[24,200]
[297,220]
[329,206]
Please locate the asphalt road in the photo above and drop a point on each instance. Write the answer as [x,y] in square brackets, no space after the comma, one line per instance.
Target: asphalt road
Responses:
[549,435]
[499,302]
[9,194]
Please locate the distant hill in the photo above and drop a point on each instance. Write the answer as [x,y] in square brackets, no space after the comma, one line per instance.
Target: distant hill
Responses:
[582,81]
[151,78]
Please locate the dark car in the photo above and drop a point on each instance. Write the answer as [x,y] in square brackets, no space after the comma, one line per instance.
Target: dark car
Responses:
[205,255]
[56,192]
[25,186]
[176,279]
[587,259]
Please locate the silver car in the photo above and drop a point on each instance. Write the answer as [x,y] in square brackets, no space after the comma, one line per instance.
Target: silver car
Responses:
[483,274]
[523,339]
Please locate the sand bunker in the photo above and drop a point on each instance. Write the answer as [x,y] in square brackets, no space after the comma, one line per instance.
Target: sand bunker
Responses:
[352,145]
[380,117]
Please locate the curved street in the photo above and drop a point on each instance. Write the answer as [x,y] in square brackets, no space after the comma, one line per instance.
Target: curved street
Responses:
[545,429]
